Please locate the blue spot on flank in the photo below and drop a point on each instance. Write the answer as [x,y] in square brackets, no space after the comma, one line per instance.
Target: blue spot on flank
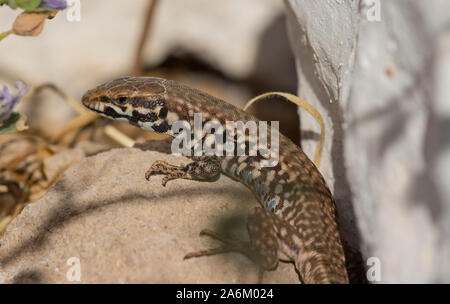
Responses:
[272,205]
[247,177]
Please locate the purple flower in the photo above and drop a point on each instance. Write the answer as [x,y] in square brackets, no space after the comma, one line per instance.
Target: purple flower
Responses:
[54,4]
[8,101]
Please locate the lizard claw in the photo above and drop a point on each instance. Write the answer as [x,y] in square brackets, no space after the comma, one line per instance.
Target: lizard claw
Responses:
[166,179]
[169,171]
[156,168]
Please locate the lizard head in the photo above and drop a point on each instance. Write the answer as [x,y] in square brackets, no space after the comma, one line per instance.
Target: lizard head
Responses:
[140,101]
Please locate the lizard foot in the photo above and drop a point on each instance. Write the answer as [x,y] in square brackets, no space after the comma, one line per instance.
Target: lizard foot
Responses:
[169,171]
[204,169]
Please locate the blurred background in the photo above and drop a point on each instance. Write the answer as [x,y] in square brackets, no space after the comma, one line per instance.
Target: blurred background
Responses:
[232,49]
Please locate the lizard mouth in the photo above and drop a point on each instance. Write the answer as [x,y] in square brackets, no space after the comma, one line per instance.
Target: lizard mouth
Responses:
[109,112]
[96,107]
[89,103]
[106,110]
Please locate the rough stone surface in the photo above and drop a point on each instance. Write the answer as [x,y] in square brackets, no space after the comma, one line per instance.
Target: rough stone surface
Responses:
[124,229]
[382,86]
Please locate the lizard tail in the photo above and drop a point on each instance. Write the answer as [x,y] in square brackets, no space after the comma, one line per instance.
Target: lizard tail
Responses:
[318,268]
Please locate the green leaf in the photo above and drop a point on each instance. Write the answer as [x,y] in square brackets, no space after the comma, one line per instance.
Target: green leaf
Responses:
[41,10]
[14,123]
[26,5]
[11,3]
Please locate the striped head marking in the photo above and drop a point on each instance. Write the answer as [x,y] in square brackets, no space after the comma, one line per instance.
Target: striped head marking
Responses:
[140,101]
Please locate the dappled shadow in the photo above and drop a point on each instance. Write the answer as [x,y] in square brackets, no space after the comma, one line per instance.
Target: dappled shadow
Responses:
[67,211]
[28,277]
[397,113]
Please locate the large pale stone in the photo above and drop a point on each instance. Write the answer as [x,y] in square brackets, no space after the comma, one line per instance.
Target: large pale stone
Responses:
[124,229]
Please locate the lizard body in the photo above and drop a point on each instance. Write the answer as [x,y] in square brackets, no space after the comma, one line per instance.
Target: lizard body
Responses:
[297,219]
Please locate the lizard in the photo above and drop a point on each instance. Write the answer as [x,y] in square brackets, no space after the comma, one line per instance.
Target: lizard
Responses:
[296,220]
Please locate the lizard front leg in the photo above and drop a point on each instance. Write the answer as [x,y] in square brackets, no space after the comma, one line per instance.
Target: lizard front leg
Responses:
[204,169]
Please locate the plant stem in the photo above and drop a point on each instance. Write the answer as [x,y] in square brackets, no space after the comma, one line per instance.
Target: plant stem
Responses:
[5,34]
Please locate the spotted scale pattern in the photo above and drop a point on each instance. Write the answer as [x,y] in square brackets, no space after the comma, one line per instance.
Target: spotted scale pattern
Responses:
[297,221]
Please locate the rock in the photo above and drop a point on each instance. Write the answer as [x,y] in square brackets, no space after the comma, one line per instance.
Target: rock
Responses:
[104,219]
[378,71]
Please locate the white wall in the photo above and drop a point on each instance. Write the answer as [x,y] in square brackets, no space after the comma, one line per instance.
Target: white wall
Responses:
[382,87]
